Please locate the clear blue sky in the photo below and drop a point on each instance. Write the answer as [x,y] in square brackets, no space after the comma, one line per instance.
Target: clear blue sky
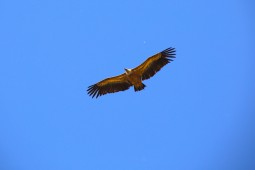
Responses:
[195,114]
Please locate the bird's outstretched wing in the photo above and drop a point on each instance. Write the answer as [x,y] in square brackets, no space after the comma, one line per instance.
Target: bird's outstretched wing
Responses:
[109,85]
[154,63]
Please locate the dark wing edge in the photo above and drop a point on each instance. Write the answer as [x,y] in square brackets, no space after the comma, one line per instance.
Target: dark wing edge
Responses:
[166,57]
[109,85]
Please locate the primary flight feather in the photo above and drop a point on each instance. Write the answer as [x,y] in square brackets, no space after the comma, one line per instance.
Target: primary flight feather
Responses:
[133,77]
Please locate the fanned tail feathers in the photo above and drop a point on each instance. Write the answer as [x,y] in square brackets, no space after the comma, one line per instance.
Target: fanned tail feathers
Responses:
[141,87]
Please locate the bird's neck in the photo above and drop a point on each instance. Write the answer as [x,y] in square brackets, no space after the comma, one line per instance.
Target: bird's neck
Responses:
[128,71]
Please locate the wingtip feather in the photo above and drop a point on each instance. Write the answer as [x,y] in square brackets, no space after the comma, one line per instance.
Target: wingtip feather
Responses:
[169,52]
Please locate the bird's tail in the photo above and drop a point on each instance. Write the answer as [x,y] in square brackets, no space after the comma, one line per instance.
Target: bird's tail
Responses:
[140,87]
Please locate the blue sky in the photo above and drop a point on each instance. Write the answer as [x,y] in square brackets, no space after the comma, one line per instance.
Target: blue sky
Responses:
[195,114]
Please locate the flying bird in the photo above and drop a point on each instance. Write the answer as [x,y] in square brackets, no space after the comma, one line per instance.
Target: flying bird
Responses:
[133,77]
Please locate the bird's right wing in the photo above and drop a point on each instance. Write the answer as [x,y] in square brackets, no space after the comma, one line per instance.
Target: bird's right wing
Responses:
[109,85]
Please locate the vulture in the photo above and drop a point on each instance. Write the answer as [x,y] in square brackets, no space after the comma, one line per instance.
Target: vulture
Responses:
[133,77]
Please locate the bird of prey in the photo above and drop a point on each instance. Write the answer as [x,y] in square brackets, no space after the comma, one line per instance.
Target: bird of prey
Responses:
[133,77]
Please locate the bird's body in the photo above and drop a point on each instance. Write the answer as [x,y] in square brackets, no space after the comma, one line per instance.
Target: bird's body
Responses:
[133,77]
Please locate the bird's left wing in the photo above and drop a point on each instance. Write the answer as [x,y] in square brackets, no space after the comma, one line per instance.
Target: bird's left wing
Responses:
[154,63]
[109,85]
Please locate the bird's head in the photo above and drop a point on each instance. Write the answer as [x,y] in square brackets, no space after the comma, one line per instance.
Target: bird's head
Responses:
[128,71]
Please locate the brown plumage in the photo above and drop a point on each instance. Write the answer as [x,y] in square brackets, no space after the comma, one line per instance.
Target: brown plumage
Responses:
[133,77]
